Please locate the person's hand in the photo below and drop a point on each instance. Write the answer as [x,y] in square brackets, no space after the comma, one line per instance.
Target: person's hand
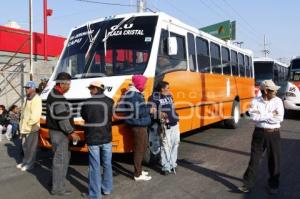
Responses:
[163,115]
[153,110]
[275,113]
[74,136]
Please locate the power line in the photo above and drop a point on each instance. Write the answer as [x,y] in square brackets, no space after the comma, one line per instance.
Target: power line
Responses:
[245,21]
[250,27]
[249,35]
[183,13]
[106,3]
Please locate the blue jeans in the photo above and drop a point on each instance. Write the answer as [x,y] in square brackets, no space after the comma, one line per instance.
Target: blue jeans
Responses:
[15,128]
[97,182]
[169,148]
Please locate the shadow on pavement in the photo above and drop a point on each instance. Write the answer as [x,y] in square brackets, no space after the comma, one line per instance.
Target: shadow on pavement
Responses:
[290,174]
[217,147]
[14,149]
[217,176]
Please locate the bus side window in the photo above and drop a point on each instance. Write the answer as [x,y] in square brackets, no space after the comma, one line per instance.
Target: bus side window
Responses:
[241,64]
[251,67]
[192,51]
[226,61]
[234,63]
[248,69]
[215,58]
[275,73]
[203,55]
[166,63]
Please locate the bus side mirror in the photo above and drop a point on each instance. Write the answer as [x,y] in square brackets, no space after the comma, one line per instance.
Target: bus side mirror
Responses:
[172,46]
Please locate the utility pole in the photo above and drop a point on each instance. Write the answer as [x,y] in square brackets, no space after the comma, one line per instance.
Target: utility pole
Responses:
[141,5]
[265,50]
[31,40]
[47,13]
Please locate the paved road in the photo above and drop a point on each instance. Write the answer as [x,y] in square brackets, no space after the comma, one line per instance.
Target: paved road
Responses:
[211,163]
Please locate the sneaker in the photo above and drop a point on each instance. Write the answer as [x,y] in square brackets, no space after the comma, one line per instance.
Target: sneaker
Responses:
[106,193]
[26,168]
[244,189]
[145,173]
[19,166]
[142,178]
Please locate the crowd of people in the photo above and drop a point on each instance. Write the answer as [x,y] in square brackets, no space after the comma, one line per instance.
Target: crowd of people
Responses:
[97,111]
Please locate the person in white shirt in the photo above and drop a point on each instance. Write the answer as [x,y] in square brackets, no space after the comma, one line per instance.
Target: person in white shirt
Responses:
[267,113]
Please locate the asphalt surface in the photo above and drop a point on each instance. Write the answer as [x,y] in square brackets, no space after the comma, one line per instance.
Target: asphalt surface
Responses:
[211,164]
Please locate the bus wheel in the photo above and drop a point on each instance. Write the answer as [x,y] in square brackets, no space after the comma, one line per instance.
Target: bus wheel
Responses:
[233,122]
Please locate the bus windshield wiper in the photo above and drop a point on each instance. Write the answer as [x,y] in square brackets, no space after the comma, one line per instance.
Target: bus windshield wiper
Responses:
[111,32]
[92,39]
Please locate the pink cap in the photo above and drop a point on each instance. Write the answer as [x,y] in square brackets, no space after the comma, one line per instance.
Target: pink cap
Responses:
[139,81]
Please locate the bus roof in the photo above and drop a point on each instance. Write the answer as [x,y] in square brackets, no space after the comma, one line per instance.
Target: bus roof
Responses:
[165,17]
[269,59]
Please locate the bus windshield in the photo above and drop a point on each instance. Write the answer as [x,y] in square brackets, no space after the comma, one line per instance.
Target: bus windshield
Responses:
[295,70]
[109,48]
[295,64]
[263,70]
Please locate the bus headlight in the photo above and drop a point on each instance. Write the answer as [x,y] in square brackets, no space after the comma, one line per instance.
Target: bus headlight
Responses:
[290,94]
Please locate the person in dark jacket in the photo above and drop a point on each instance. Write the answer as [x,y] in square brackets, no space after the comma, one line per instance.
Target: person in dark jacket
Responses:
[168,118]
[138,118]
[97,115]
[4,123]
[59,120]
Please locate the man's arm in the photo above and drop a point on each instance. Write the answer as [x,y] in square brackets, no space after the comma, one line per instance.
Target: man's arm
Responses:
[277,114]
[256,115]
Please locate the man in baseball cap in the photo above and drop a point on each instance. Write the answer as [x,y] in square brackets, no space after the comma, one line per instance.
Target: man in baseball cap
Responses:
[268,85]
[96,84]
[30,84]
[267,113]
[97,113]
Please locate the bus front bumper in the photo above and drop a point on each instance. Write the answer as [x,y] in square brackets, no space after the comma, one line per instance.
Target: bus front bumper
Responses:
[291,105]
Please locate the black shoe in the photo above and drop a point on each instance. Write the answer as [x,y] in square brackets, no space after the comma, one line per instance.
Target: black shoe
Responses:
[61,193]
[244,189]
[165,173]
[273,191]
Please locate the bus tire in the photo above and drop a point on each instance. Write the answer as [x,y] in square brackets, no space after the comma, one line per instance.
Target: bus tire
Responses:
[233,122]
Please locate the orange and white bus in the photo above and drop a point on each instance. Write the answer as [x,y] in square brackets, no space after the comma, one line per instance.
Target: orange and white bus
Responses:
[211,80]
[291,99]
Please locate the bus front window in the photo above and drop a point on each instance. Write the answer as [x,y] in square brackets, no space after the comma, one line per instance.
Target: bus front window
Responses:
[263,71]
[295,70]
[109,48]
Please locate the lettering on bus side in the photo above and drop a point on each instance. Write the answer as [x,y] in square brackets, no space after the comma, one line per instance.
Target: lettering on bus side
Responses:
[109,88]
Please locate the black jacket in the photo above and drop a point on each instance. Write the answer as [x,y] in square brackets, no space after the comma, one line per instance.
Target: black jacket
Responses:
[4,119]
[97,114]
[58,115]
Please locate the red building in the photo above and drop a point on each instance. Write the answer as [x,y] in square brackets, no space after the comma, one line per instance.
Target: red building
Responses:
[15,42]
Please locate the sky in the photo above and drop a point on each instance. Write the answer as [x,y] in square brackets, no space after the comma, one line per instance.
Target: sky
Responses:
[278,20]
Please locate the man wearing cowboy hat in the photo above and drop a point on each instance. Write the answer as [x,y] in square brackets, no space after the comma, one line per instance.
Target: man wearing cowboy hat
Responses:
[266,112]
[97,114]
